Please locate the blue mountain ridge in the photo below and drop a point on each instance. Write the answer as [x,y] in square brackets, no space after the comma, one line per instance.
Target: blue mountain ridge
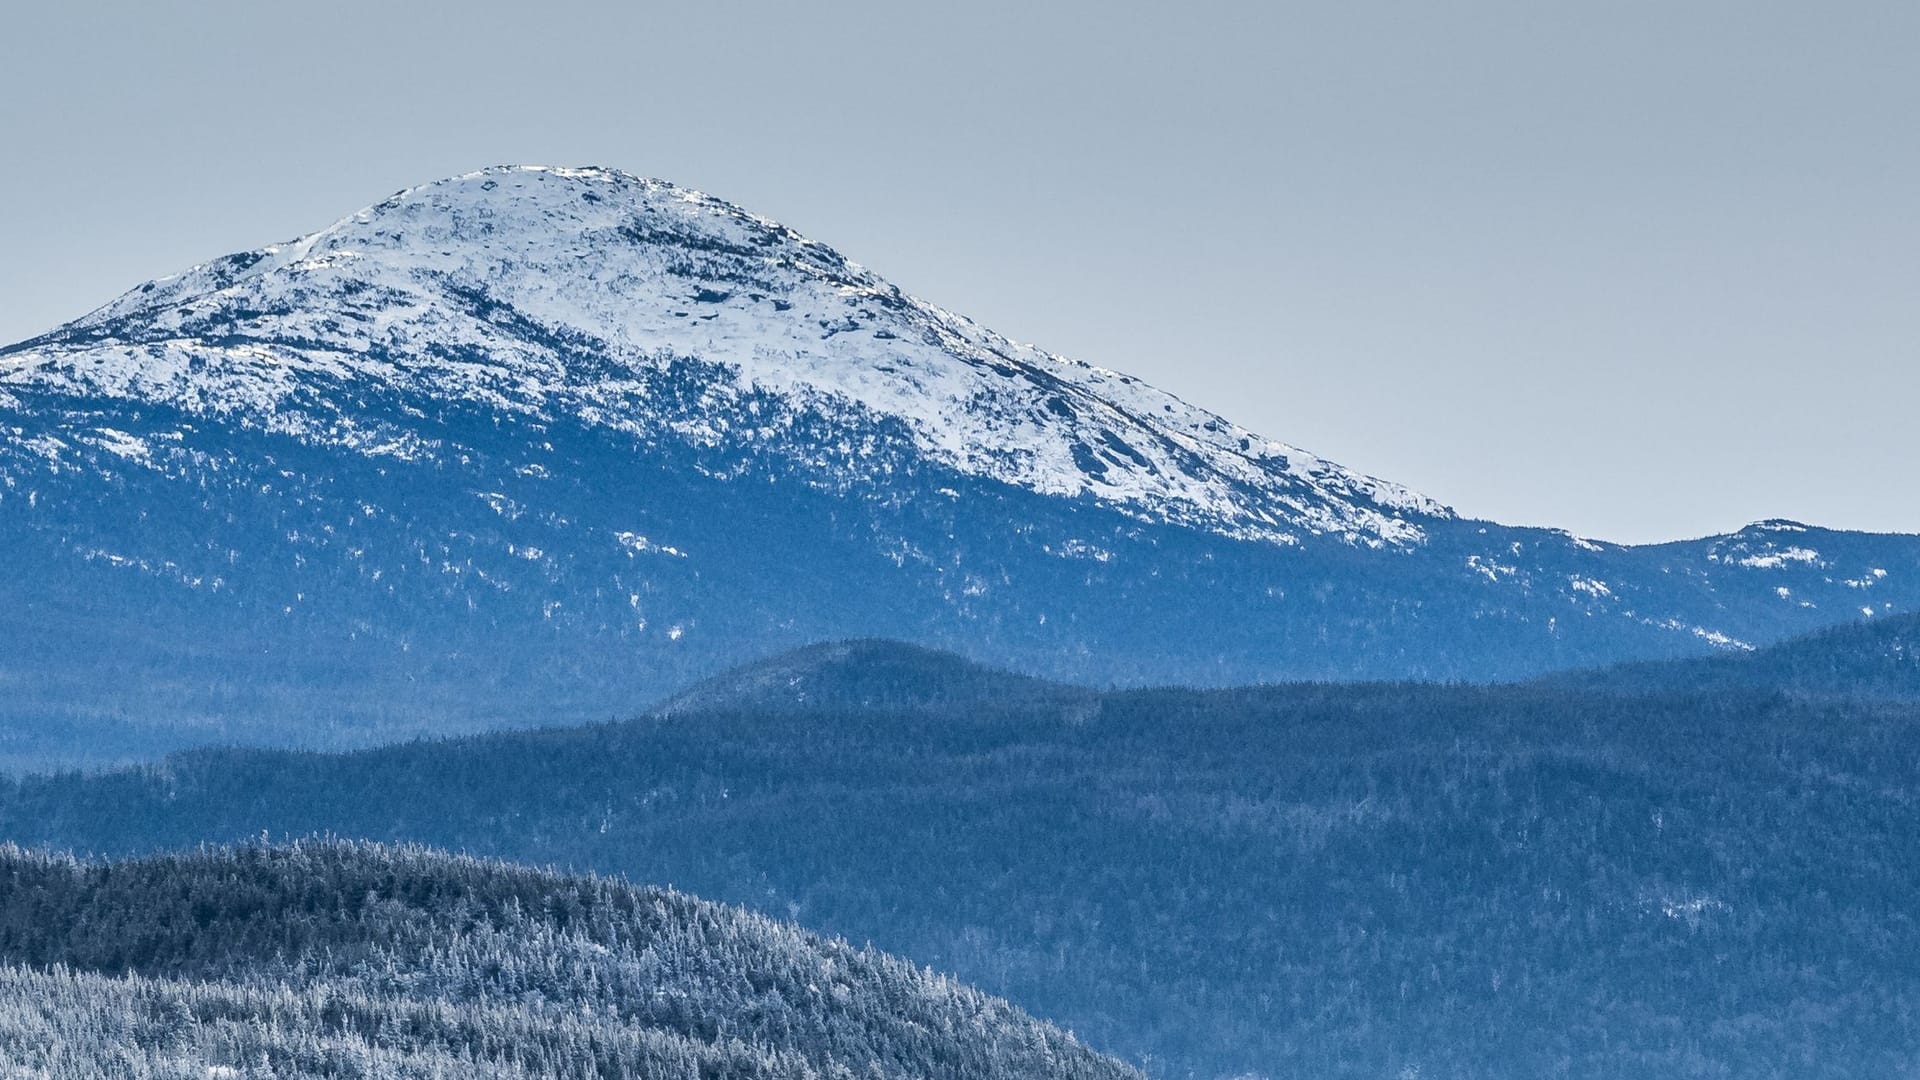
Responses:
[556,443]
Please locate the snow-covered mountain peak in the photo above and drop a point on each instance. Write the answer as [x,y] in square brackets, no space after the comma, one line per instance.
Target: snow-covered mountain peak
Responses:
[652,309]
[491,224]
[553,443]
[531,215]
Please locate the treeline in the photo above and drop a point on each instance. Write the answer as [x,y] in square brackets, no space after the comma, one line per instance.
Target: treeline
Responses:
[336,959]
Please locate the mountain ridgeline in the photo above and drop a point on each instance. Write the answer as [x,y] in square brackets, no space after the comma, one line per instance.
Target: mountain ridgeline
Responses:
[863,675]
[338,960]
[1874,660]
[1585,879]
[535,445]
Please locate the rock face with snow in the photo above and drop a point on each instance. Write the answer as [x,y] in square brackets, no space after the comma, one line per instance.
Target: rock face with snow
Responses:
[536,444]
[642,308]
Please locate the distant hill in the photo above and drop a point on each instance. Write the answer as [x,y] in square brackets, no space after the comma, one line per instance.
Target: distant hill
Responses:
[1342,882]
[1875,659]
[864,674]
[335,960]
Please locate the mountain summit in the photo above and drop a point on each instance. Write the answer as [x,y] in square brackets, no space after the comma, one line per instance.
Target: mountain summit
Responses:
[538,444]
[543,292]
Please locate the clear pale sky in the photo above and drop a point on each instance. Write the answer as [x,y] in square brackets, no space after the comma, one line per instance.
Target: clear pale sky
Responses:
[1643,270]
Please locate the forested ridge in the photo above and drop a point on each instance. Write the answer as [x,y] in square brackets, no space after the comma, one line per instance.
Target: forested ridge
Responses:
[331,959]
[1878,659]
[1310,880]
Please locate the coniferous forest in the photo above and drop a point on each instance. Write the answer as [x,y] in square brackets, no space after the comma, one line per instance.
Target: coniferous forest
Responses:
[327,959]
[1584,877]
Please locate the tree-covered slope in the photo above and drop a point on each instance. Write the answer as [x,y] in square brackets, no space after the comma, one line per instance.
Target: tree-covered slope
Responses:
[1875,659]
[1327,881]
[334,959]
[861,675]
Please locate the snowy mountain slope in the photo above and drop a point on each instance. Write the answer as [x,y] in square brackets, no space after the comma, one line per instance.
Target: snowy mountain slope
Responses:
[554,443]
[547,292]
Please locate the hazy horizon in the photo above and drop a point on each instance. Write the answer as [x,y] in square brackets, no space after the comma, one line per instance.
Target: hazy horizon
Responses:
[1642,274]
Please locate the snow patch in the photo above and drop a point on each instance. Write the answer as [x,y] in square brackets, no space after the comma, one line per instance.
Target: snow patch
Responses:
[1491,570]
[1775,560]
[1081,549]
[123,445]
[1591,587]
[638,544]
[1720,640]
